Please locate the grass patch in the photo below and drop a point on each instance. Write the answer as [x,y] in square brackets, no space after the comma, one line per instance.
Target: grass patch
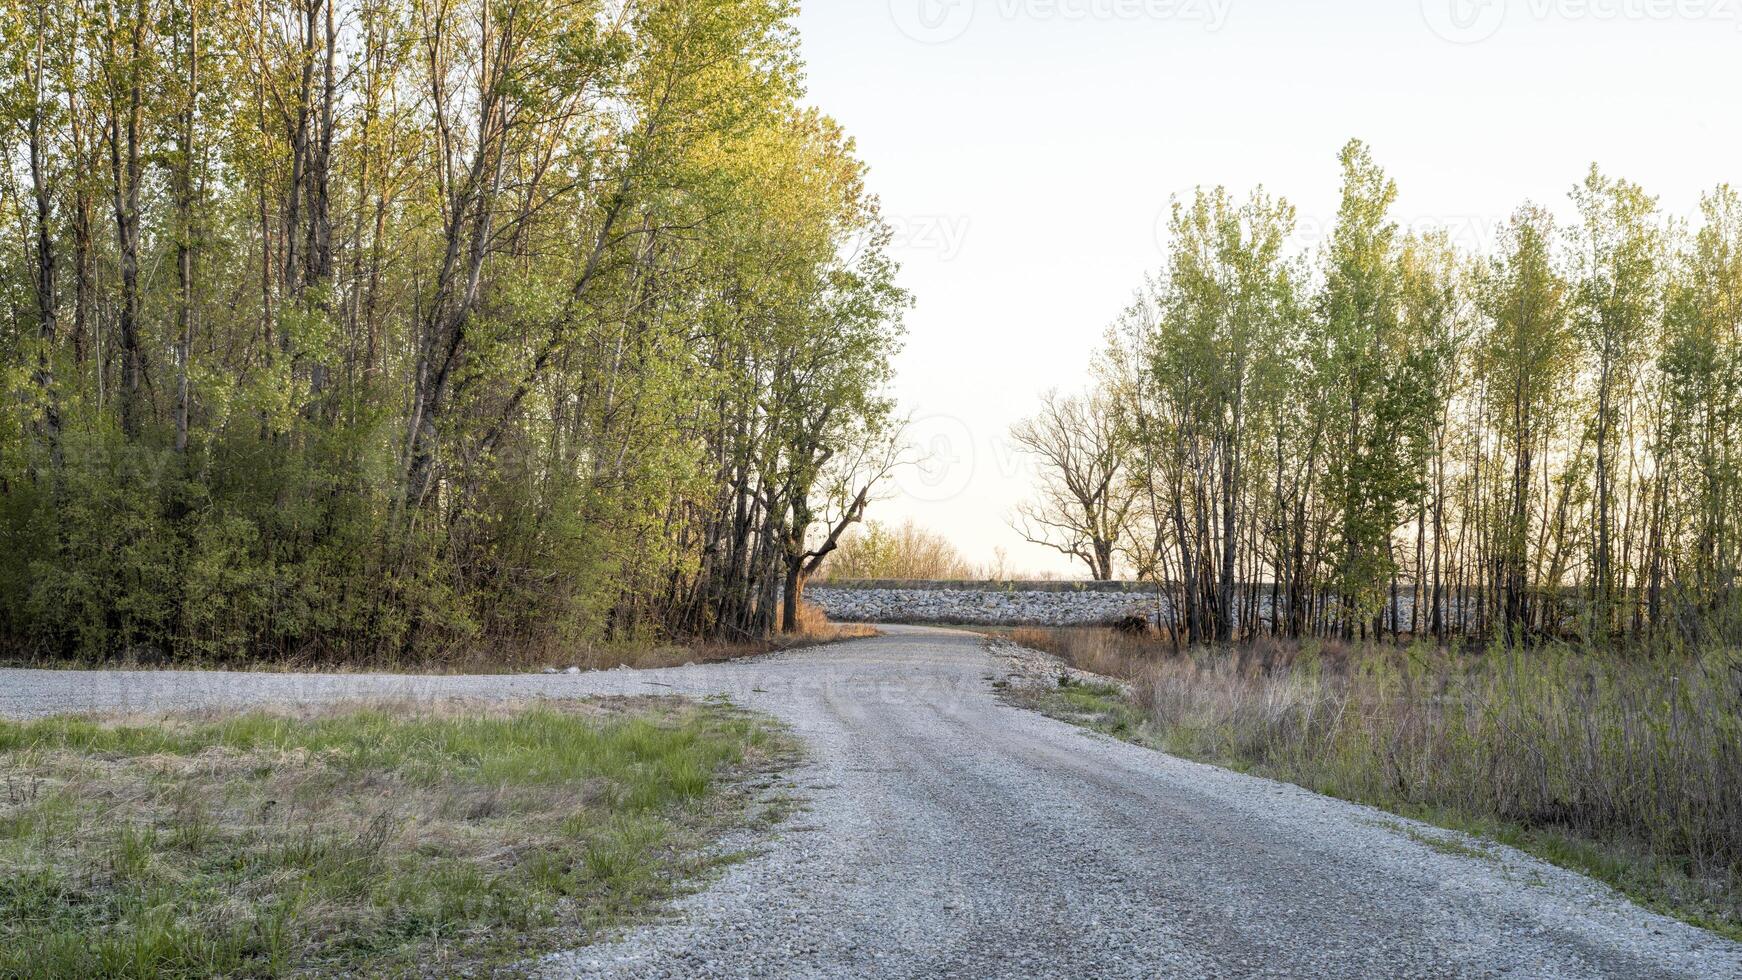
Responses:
[1454,845]
[372,840]
[1627,770]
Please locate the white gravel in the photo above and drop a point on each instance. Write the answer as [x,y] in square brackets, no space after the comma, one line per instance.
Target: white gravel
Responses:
[951,835]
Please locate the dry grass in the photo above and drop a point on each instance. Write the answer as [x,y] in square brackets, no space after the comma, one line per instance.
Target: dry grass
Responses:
[376,840]
[1626,768]
[814,627]
[1107,652]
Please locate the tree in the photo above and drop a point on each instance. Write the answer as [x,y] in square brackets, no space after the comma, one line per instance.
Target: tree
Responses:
[28,45]
[127,67]
[1084,505]
[904,552]
[1616,251]
[1375,384]
[1525,357]
[1436,316]
[1700,452]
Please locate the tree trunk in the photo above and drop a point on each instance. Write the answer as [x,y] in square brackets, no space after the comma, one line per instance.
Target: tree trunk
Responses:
[125,168]
[184,247]
[47,302]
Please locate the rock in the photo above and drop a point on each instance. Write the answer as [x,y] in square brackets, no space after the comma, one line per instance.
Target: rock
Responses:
[984,606]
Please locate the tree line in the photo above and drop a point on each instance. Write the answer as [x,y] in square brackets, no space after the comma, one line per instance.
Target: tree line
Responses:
[877,550]
[362,328]
[1394,436]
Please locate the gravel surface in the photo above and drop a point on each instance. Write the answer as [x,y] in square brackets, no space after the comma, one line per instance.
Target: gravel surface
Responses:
[951,835]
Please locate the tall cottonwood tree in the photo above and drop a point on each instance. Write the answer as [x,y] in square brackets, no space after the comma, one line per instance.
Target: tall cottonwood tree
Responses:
[1437,317]
[1525,359]
[1617,255]
[1376,382]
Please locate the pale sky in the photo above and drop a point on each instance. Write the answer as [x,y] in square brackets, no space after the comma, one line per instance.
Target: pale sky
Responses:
[1025,151]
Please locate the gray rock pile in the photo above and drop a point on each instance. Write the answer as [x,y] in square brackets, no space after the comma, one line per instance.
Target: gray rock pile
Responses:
[979,607]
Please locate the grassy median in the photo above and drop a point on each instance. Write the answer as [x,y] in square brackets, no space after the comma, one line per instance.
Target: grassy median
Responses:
[364,840]
[1624,768]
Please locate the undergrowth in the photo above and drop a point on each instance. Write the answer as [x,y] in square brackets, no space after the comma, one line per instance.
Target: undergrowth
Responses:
[472,657]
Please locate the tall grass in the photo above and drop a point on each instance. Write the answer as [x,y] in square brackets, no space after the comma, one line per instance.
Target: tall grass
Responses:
[1639,757]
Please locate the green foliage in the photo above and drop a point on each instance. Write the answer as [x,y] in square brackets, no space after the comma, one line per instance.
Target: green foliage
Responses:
[1533,444]
[1375,379]
[1218,366]
[491,325]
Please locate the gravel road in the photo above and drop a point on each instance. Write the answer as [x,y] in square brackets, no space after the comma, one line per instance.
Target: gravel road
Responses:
[951,835]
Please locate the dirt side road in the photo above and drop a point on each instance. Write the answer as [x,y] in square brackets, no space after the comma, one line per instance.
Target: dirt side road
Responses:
[950,835]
